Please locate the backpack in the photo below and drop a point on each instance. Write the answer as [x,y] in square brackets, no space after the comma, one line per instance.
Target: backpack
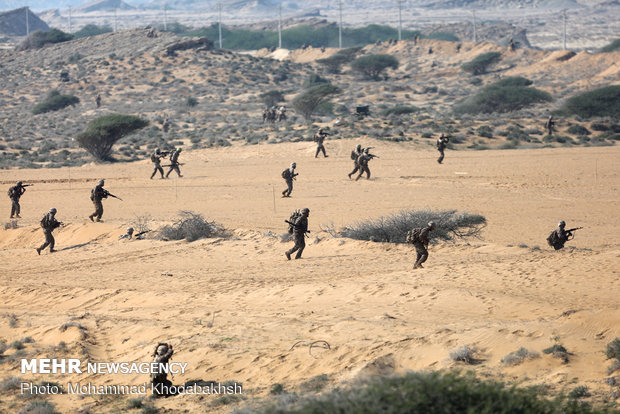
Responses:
[11,192]
[286,174]
[354,155]
[154,157]
[413,236]
[553,240]
[293,219]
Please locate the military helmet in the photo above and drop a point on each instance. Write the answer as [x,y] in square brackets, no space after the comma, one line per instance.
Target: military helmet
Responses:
[157,150]
[293,165]
[359,147]
[320,130]
[101,182]
[19,183]
[162,349]
[53,210]
[431,224]
[562,223]
[179,149]
[305,210]
[129,229]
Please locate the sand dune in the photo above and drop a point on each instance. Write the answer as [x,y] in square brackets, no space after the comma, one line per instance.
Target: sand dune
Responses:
[378,315]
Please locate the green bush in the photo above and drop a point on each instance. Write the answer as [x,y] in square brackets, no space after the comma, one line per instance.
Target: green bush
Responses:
[335,62]
[450,224]
[447,36]
[423,392]
[92,30]
[307,102]
[271,98]
[401,110]
[578,130]
[613,349]
[372,66]
[39,39]
[314,80]
[485,131]
[480,63]
[54,102]
[498,98]
[103,132]
[601,102]
[513,81]
[612,47]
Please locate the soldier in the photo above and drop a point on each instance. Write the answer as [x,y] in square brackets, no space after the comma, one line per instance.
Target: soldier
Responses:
[511,45]
[174,163]
[319,137]
[156,159]
[560,236]
[98,100]
[362,161]
[354,155]
[96,195]
[49,224]
[289,175]
[458,48]
[166,125]
[127,235]
[550,124]
[159,380]
[442,141]
[300,228]
[281,115]
[419,239]
[15,193]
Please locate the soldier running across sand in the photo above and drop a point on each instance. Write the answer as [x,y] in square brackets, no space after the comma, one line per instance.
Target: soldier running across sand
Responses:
[362,161]
[442,141]
[156,159]
[319,137]
[174,163]
[49,224]
[354,156]
[289,175]
[300,228]
[419,239]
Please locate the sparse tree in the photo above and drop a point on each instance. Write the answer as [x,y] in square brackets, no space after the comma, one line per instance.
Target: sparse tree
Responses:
[103,132]
[307,102]
[372,66]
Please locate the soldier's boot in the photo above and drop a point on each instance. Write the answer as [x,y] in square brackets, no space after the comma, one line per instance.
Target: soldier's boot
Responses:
[91,218]
[349,175]
[38,249]
[18,216]
[52,250]
[288,255]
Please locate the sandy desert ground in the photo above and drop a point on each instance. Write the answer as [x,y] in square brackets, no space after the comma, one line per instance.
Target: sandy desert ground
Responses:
[505,291]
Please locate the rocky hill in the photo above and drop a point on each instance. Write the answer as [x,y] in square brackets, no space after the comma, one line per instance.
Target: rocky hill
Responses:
[13,23]
[103,5]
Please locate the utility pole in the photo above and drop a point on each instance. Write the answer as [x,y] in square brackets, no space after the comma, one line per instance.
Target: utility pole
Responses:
[564,31]
[219,5]
[280,26]
[70,20]
[340,25]
[165,17]
[475,37]
[400,20]
[27,22]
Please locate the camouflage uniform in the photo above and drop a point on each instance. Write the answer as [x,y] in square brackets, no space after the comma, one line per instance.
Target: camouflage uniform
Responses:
[354,156]
[288,177]
[15,193]
[156,159]
[559,236]
[299,234]
[49,223]
[174,163]
[420,244]
[96,195]
[441,146]
[319,137]
[162,355]
[362,161]
[98,100]
[550,124]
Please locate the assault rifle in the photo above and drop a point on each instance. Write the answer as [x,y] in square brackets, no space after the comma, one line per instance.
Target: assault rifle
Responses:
[569,232]
[171,165]
[27,185]
[113,196]
[294,225]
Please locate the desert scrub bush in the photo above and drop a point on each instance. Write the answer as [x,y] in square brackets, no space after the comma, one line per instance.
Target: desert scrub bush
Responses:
[447,36]
[191,227]
[190,102]
[485,131]
[502,96]
[372,66]
[481,63]
[10,383]
[420,392]
[92,30]
[271,98]
[519,356]
[580,391]
[578,130]
[335,62]
[557,351]
[38,39]
[103,132]
[612,47]
[39,407]
[54,101]
[450,225]
[464,354]
[601,102]
[314,80]
[401,110]
[307,102]
[613,349]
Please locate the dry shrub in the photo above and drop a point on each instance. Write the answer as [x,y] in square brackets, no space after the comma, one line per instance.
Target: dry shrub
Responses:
[191,227]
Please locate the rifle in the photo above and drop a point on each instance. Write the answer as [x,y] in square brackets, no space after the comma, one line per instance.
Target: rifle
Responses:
[171,165]
[294,225]
[113,196]
[27,185]
[569,233]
